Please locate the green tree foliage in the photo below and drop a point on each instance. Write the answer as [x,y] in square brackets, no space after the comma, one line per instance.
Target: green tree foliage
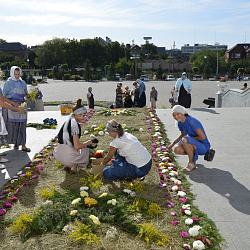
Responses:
[51,53]
[123,67]
[150,49]
[2,41]
[88,71]
[114,52]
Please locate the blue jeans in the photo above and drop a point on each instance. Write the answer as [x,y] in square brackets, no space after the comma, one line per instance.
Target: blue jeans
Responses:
[121,169]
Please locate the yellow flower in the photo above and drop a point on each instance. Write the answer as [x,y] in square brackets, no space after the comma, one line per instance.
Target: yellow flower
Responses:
[73,212]
[102,195]
[84,193]
[90,201]
[95,219]
[76,201]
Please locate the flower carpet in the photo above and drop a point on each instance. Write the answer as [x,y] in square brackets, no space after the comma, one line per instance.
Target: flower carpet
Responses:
[47,208]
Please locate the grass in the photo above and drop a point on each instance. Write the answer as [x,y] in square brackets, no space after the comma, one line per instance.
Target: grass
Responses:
[66,187]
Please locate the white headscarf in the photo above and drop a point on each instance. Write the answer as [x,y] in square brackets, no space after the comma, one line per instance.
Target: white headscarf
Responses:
[180,109]
[12,76]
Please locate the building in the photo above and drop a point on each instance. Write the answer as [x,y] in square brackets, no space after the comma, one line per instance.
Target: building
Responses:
[15,49]
[188,50]
[238,52]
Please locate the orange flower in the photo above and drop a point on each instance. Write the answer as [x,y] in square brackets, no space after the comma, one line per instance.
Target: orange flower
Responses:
[90,201]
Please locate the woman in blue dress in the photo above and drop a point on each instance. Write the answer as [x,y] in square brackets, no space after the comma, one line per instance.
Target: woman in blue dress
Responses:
[192,141]
[16,90]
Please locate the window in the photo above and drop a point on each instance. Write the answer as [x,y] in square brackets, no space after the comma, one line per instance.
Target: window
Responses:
[237,55]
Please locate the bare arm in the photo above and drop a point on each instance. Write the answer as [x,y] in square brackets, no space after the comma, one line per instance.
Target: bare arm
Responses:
[7,106]
[176,140]
[78,145]
[109,155]
[200,135]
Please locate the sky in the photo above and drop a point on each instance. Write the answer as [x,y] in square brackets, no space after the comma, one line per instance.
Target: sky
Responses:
[166,21]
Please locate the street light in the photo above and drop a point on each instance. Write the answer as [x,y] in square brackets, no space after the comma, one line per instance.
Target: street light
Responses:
[28,66]
[135,56]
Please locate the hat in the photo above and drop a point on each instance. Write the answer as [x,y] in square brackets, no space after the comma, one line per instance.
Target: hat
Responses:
[184,73]
[180,109]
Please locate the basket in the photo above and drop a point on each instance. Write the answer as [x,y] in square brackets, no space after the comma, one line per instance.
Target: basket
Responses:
[66,110]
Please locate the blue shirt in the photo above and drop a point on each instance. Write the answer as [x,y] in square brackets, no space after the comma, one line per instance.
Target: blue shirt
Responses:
[186,84]
[9,85]
[189,127]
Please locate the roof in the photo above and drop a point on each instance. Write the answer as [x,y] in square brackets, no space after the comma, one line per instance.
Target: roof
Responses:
[242,46]
[12,46]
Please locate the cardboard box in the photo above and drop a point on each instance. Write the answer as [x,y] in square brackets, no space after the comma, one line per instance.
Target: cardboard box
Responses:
[96,167]
[66,110]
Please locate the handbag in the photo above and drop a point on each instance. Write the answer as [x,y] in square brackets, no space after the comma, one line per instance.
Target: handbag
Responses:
[209,156]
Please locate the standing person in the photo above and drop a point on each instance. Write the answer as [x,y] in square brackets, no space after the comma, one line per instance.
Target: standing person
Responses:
[133,159]
[69,151]
[135,93]
[90,98]
[119,96]
[192,141]
[153,97]
[142,95]
[127,98]
[3,131]
[174,98]
[15,89]
[184,86]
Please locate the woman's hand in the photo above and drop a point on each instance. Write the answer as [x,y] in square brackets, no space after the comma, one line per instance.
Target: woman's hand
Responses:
[21,111]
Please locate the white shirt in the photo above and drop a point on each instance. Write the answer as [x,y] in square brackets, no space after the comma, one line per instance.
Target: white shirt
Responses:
[130,148]
[74,131]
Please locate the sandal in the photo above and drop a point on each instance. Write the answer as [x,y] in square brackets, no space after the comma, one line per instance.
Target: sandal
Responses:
[15,147]
[189,167]
[67,169]
[26,149]
[72,172]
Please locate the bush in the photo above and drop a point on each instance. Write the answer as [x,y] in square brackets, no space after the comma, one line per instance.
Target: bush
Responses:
[66,76]
[39,80]
[76,77]
[50,75]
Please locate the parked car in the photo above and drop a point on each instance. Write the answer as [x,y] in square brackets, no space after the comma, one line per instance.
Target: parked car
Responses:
[246,78]
[144,78]
[117,77]
[128,77]
[197,77]
[170,78]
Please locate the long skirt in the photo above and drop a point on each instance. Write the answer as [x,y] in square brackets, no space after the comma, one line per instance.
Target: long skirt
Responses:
[121,169]
[68,156]
[16,133]
[153,103]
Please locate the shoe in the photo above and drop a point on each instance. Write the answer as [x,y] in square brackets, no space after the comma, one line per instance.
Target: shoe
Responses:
[189,167]
[71,171]
[142,178]
[2,166]
[15,147]
[67,169]
[26,149]
[3,160]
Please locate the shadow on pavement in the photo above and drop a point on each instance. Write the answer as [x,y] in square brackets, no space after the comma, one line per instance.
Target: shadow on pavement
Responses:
[206,110]
[223,183]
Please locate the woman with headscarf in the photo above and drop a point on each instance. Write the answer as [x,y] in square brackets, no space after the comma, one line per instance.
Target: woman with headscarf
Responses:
[153,97]
[142,95]
[184,86]
[15,89]
[119,96]
[192,141]
[90,98]
[69,151]
[132,160]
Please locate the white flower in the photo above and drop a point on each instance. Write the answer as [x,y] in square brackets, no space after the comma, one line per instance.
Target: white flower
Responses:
[48,203]
[84,188]
[92,135]
[132,194]
[193,231]
[83,193]
[187,206]
[106,133]
[189,221]
[164,170]
[175,188]
[197,227]
[95,219]
[86,132]
[73,212]
[198,245]
[174,172]
[102,195]
[112,233]
[101,133]
[124,125]
[181,194]
[127,191]
[177,182]
[76,201]
[20,172]
[188,212]
[141,129]
[93,126]
[113,202]
[173,179]
[68,229]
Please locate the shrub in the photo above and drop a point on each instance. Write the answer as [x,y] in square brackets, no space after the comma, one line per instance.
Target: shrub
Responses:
[66,76]
[76,77]
[39,80]
[50,75]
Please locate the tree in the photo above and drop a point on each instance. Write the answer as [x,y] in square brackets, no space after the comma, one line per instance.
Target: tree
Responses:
[195,69]
[159,72]
[115,51]
[123,67]
[150,49]
[51,53]
[88,71]
[2,41]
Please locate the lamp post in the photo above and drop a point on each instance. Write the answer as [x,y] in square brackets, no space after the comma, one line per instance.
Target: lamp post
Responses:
[135,56]
[28,66]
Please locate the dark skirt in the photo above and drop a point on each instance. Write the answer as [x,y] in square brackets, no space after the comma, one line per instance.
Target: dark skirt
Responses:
[142,100]
[184,98]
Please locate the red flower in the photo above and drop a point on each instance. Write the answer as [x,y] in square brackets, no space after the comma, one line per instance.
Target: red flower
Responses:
[208,242]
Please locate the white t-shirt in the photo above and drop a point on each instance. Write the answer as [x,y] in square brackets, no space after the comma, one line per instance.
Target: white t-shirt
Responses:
[130,148]
[74,131]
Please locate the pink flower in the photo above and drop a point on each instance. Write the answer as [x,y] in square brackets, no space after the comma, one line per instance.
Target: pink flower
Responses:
[2,212]
[173,213]
[14,198]
[194,219]
[7,205]
[2,196]
[4,191]
[183,199]
[208,242]
[34,176]
[184,234]
[175,223]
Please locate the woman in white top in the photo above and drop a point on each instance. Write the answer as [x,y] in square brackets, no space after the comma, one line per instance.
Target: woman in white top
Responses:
[132,160]
[69,151]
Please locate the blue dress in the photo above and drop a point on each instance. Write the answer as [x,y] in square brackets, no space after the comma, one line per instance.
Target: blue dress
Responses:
[189,127]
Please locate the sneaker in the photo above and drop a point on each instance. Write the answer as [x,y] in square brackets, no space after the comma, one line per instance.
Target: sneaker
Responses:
[2,166]
[3,160]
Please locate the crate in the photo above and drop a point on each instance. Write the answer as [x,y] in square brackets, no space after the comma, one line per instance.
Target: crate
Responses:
[66,110]
[97,168]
